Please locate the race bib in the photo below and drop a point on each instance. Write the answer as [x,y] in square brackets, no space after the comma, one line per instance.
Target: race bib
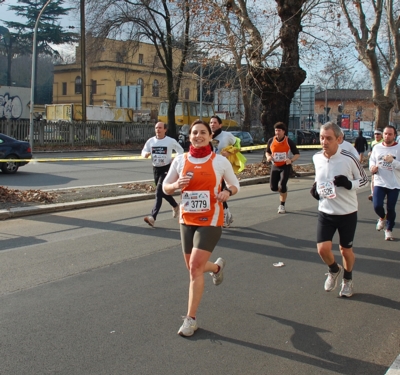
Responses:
[196,201]
[326,190]
[280,156]
[159,155]
[385,165]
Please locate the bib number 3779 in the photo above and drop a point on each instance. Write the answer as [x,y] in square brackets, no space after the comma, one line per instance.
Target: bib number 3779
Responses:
[196,201]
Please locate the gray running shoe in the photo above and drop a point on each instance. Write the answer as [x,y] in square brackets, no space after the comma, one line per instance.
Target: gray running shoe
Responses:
[218,277]
[175,211]
[150,220]
[331,280]
[380,224]
[228,219]
[188,327]
[347,288]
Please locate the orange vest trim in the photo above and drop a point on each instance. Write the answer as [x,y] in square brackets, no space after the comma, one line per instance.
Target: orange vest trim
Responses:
[203,180]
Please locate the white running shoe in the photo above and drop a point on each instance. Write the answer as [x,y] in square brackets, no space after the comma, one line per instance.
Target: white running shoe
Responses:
[228,219]
[347,288]
[150,220]
[388,235]
[331,280]
[281,209]
[175,211]
[380,224]
[188,327]
[219,276]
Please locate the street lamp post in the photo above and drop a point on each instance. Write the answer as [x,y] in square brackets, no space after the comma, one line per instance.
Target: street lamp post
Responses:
[83,60]
[33,75]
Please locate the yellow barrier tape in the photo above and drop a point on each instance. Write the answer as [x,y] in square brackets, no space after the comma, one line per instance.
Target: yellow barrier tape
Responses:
[44,160]
[110,158]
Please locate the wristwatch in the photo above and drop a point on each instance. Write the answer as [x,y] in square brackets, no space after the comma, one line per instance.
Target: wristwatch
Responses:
[229,191]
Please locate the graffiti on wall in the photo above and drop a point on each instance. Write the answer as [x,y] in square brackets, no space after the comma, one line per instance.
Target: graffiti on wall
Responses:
[10,107]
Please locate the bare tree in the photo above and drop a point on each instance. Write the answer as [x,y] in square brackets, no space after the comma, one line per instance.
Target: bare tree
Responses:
[375,28]
[164,23]
[274,85]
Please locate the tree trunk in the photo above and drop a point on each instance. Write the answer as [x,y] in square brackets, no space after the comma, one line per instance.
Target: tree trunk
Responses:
[276,88]
[383,106]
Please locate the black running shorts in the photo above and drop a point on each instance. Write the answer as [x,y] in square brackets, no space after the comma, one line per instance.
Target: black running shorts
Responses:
[204,238]
[344,224]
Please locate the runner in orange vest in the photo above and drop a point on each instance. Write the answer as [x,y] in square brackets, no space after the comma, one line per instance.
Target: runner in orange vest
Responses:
[199,175]
[277,152]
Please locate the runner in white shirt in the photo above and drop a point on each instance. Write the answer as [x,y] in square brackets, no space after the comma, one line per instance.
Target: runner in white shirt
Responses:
[160,149]
[384,164]
[222,139]
[338,174]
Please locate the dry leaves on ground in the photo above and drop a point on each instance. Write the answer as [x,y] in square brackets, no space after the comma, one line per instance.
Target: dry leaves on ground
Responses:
[15,195]
[140,187]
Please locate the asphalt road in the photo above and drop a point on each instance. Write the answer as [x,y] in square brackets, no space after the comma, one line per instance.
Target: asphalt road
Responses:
[97,291]
[67,174]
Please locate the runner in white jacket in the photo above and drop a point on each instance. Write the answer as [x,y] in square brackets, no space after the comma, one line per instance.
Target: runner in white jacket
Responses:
[338,174]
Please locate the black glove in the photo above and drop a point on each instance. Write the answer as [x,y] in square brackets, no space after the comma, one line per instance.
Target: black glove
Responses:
[314,191]
[343,181]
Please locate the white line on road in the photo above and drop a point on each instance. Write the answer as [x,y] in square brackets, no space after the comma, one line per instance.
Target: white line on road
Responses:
[394,368]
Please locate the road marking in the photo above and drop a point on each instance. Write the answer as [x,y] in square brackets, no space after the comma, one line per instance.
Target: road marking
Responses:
[394,368]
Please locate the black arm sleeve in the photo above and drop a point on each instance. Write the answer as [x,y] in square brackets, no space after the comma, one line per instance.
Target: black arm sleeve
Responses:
[293,147]
[268,149]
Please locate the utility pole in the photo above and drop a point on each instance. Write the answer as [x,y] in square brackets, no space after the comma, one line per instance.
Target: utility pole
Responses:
[33,75]
[83,60]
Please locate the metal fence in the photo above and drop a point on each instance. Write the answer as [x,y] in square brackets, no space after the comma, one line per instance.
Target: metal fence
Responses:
[78,133]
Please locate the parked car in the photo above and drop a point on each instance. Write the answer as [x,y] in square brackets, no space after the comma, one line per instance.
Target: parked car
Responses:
[304,137]
[291,136]
[349,135]
[11,148]
[245,138]
[315,137]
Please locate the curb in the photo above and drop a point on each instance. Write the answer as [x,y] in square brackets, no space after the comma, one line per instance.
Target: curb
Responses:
[13,213]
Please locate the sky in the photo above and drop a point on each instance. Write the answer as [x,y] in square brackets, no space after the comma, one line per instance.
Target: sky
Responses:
[70,20]
[7,15]
[73,20]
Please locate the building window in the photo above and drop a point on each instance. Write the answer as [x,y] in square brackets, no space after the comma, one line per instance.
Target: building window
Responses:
[78,85]
[94,86]
[156,88]
[119,57]
[186,93]
[64,88]
[141,58]
[141,84]
[118,83]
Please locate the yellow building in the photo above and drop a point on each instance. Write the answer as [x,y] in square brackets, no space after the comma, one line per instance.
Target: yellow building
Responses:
[111,63]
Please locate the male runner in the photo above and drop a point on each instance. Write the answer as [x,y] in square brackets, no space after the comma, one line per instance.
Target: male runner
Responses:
[338,174]
[160,149]
[277,152]
[384,164]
